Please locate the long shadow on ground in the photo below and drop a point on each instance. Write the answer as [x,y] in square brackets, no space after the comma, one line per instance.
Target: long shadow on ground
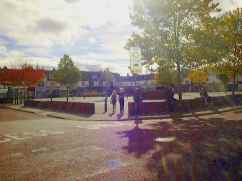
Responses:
[203,149]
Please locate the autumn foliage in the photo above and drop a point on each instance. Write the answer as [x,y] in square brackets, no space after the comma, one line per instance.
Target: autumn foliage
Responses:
[21,77]
[198,76]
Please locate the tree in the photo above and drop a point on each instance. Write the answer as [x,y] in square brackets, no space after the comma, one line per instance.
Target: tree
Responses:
[198,76]
[67,74]
[165,74]
[135,67]
[26,66]
[223,53]
[223,78]
[228,70]
[227,50]
[108,77]
[166,77]
[232,40]
[26,77]
[167,26]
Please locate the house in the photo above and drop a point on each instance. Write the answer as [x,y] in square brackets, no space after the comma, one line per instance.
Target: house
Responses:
[144,81]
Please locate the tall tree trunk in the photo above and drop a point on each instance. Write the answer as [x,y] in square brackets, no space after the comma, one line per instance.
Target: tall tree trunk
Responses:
[179,81]
[234,83]
[17,96]
[24,94]
[177,24]
[67,94]
[180,92]
[135,83]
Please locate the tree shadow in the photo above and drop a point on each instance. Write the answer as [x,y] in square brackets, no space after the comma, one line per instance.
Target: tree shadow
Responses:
[203,149]
[139,140]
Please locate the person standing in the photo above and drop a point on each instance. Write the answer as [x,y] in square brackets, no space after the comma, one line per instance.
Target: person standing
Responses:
[204,95]
[170,98]
[121,101]
[114,100]
[137,100]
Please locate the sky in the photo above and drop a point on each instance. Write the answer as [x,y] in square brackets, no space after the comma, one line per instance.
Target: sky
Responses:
[92,32]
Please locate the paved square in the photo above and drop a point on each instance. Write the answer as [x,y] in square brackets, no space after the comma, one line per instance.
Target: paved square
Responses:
[40,148]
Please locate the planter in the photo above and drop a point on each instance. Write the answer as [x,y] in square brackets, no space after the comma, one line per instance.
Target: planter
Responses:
[70,107]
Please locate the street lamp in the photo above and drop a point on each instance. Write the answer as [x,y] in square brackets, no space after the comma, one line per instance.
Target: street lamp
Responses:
[135,60]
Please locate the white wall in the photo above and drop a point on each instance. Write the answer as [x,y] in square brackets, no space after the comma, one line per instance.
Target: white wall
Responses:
[83,84]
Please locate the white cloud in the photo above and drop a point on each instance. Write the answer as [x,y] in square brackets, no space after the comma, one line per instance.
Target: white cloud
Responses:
[99,62]
[42,25]
[71,1]
[227,5]
[93,32]
[21,19]
[3,50]
[15,59]
[89,62]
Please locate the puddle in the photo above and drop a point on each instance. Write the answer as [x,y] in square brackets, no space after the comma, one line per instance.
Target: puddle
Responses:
[39,150]
[93,147]
[6,140]
[165,140]
[56,133]
[14,137]
[114,164]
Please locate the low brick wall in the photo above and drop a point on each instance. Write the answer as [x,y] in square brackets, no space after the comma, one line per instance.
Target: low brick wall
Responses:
[161,107]
[149,108]
[70,107]
[155,95]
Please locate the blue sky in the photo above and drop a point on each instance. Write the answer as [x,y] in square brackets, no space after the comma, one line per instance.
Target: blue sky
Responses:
[92,32]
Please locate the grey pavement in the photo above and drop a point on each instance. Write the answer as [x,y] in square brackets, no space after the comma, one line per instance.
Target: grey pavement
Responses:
[39,148]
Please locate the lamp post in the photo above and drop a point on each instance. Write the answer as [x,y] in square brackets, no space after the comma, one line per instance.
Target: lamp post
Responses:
[135,59]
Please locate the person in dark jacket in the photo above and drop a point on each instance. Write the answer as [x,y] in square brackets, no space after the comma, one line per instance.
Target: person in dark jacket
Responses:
[114,100]
[170,99]
[121,101]
[204,95]
[137,100]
